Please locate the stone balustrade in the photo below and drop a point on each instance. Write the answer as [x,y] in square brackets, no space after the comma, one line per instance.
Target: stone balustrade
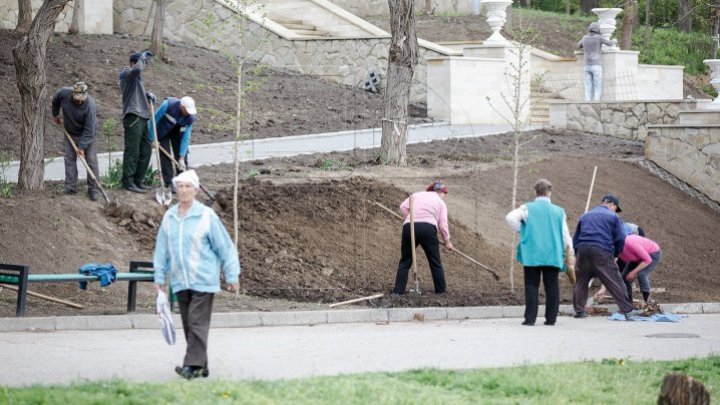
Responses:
[625,120]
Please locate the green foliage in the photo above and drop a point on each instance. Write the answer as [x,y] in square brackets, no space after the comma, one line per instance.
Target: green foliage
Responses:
[670,47]
[252,174]
[113,177]
[6,190]
[610,381]
[331,165]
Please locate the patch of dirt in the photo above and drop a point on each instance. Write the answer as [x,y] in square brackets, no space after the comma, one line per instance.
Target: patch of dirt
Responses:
[284,103]
[311,234]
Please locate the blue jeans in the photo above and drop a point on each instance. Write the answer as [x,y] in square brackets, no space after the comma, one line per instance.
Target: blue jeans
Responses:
[593,82]
[643,275]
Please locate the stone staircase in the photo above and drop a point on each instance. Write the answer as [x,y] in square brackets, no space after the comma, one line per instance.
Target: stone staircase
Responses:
[540,108]
[313,19]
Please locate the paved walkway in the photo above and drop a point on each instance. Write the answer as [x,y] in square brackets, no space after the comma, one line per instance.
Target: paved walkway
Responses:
[216,153]
[314,349]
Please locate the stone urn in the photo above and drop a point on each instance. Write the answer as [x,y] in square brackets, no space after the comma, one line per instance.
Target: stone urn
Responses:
[714,78]
[496,19]
[606,18]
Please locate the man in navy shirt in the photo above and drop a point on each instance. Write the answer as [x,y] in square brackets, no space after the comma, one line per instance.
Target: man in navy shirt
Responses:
[599,238]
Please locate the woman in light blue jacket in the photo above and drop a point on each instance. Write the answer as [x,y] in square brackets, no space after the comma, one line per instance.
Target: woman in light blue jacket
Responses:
[192,246]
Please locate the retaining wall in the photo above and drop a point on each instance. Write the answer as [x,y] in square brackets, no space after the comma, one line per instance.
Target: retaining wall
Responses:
[690,153]
[344,61]
[625,119]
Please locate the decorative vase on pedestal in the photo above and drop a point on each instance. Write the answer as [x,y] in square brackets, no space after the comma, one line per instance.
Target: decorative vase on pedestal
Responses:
[606,18]
[496,19]
[714,78]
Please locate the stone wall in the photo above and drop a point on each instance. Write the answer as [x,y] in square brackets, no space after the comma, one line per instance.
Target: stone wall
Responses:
[690,153]
[9,14]
[344,61]
[625,120]
[368,8]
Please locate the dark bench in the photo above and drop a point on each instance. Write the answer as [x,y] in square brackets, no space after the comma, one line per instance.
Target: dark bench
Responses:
[20,276]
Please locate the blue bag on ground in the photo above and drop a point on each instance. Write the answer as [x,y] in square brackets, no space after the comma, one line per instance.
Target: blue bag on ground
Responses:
[107,273]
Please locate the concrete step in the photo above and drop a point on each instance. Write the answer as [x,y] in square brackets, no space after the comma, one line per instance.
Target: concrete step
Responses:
[285,21]
[298,26]
[699,117]
[312,33]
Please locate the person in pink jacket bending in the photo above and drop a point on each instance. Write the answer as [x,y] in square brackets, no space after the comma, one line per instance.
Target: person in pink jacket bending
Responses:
[429,216]
[645,254]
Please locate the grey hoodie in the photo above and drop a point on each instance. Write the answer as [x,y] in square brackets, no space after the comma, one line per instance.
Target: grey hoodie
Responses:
[592,44]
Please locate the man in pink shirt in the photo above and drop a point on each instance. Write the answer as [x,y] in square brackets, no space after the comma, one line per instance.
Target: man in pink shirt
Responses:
[429,216]
[646,254]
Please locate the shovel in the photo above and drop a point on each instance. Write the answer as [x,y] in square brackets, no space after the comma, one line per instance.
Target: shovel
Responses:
[175,162]
[414,293]
[162,196]
[82,159]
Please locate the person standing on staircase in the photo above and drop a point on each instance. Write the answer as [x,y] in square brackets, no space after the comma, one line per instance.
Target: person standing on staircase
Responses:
[592,46]
[175,118]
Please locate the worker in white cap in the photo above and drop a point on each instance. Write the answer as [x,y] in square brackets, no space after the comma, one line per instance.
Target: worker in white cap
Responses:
[175,118]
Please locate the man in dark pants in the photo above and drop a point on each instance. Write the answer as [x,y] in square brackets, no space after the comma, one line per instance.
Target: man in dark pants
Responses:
[79,118]
[599,238]
[136,113]
[175,118]
[544,239]
[429,216]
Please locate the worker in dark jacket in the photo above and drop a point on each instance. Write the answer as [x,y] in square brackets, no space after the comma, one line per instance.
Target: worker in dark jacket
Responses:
[136,113]
[599,238]
[175,119]
[79,118]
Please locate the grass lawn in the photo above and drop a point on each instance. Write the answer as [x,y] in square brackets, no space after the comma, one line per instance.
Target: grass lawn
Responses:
[612,381]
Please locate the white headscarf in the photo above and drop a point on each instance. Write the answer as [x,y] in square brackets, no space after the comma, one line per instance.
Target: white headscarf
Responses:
[188,176]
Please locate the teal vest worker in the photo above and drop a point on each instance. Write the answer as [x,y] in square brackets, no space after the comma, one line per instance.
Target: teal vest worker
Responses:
[541,236]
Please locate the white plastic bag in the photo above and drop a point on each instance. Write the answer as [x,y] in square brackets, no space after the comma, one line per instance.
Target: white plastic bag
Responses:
[162,308]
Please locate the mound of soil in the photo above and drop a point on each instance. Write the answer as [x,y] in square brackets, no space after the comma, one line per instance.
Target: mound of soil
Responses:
[312,234]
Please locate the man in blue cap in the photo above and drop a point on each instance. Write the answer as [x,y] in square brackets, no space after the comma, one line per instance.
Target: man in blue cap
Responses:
[599,238]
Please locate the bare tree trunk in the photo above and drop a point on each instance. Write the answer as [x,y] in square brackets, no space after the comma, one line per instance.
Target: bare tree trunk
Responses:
[715,16]
[29,56]
[586,6]
[157,33]
[236,158]
[24,16]
[567,7]
[628,23]
[401,65]
[684,23]
[73,28]
[524,3]
[648,27]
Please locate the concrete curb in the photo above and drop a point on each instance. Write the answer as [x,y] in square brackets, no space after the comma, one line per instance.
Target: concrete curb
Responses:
[306,318]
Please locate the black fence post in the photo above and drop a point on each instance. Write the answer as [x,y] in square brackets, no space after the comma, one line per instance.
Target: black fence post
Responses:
[132,285]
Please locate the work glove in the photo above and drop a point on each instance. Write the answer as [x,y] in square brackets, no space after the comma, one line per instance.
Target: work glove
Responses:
[181,165]
[146,56]
[152,98]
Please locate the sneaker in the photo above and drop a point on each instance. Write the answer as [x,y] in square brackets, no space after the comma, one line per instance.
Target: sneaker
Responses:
[548,323]
[581,315]
[93,194]
[143,186]
[189,372]
[135,189]
[69,191]
[527,323]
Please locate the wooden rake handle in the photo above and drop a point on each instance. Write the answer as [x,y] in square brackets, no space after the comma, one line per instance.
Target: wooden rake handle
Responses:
[484,267]
[82,159]
[175,162]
